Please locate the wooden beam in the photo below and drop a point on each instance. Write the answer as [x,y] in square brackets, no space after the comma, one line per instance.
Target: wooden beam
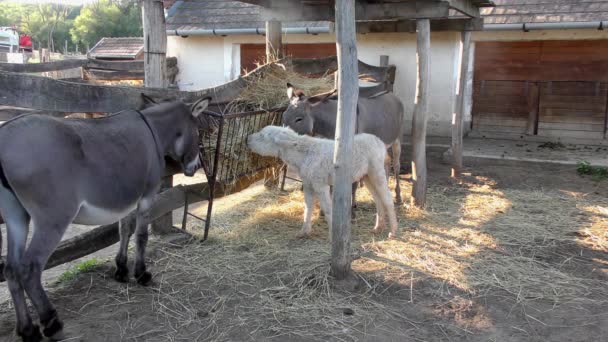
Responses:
[410,25]
[419,171]
[37,92]
[293,10]
[459,108]
[274,44]
[466,7]
[172,199]
[419,9]
[112,75]
[43,67]
[348,89]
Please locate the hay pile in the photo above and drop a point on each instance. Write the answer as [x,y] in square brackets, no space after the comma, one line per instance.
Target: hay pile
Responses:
[267,90]
[264,91]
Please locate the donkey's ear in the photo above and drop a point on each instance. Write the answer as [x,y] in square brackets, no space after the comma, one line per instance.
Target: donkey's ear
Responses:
[292,92]
[199,106]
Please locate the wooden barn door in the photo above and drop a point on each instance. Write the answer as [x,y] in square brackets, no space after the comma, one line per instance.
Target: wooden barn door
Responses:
[573,109]
[253,54]
[545,88]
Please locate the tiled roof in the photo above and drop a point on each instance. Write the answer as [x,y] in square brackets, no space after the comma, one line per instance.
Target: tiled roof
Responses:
[219,14]
[545,11]
[127,47]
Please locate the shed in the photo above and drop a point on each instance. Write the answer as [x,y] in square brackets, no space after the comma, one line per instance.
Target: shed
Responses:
[123,48]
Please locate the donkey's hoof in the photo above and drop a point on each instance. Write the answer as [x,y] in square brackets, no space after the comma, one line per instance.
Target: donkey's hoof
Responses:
[392,235]
[302,234]
[377,230]
[31,335]
[122,275]
[53,328]
[144,279]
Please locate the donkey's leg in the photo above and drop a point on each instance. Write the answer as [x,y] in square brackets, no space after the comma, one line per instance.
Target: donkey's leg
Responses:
[396,155]
[142,220]
[309,202]
[380,211]
[47,235]
[380,184]
[122,270]
[17,222]
[325,200]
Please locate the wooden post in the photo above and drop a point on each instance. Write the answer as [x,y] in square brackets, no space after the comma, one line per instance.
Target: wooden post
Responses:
[383,60]
[533,108]
[65,48]
[274,51]
[348,90]
[458,115]
[155,43]
[274,44]
[423,27]
[155,48]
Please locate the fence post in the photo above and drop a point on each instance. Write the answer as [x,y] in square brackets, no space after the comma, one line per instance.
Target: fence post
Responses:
[155,49]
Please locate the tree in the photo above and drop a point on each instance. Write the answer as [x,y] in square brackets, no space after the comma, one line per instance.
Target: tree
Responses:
[45,22]
[107,18]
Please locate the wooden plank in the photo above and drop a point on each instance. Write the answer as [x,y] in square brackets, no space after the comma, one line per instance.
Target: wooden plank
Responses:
[570,134]
[419,122]
[36,92]
[575,116]
[112,75]
[43,67]
[504,121]
[348,90]
[457,120]
[386,26]
[598,127]
[493,128]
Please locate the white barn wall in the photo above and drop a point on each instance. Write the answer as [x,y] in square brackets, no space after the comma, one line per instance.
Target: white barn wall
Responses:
[208,61]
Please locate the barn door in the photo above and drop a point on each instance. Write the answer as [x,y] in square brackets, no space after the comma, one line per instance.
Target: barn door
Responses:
[501,106]
[573,110]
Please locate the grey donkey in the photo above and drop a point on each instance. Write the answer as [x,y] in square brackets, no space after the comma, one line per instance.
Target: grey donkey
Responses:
[382,116]
[56,171]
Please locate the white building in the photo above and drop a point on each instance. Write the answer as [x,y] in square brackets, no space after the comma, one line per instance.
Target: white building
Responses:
[528,58]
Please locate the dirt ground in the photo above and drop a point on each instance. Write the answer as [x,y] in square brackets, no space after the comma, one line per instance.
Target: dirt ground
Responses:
[505,254]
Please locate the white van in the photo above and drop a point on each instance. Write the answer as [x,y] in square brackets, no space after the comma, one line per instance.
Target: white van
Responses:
[9,40]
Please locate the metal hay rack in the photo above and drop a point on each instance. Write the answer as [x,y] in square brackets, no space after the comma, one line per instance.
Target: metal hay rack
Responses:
[224,153]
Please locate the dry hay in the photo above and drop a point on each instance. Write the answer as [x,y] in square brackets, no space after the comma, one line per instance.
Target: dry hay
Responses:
[268,89]
[263,91]
[252,280]
[522,245]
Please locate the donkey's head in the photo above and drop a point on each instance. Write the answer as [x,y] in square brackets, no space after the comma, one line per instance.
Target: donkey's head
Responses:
[298,114]
[178,126]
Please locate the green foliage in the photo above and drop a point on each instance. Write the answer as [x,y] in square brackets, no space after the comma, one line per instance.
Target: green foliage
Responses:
[83,267]
[52,24]
[598,173]
[107,18]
